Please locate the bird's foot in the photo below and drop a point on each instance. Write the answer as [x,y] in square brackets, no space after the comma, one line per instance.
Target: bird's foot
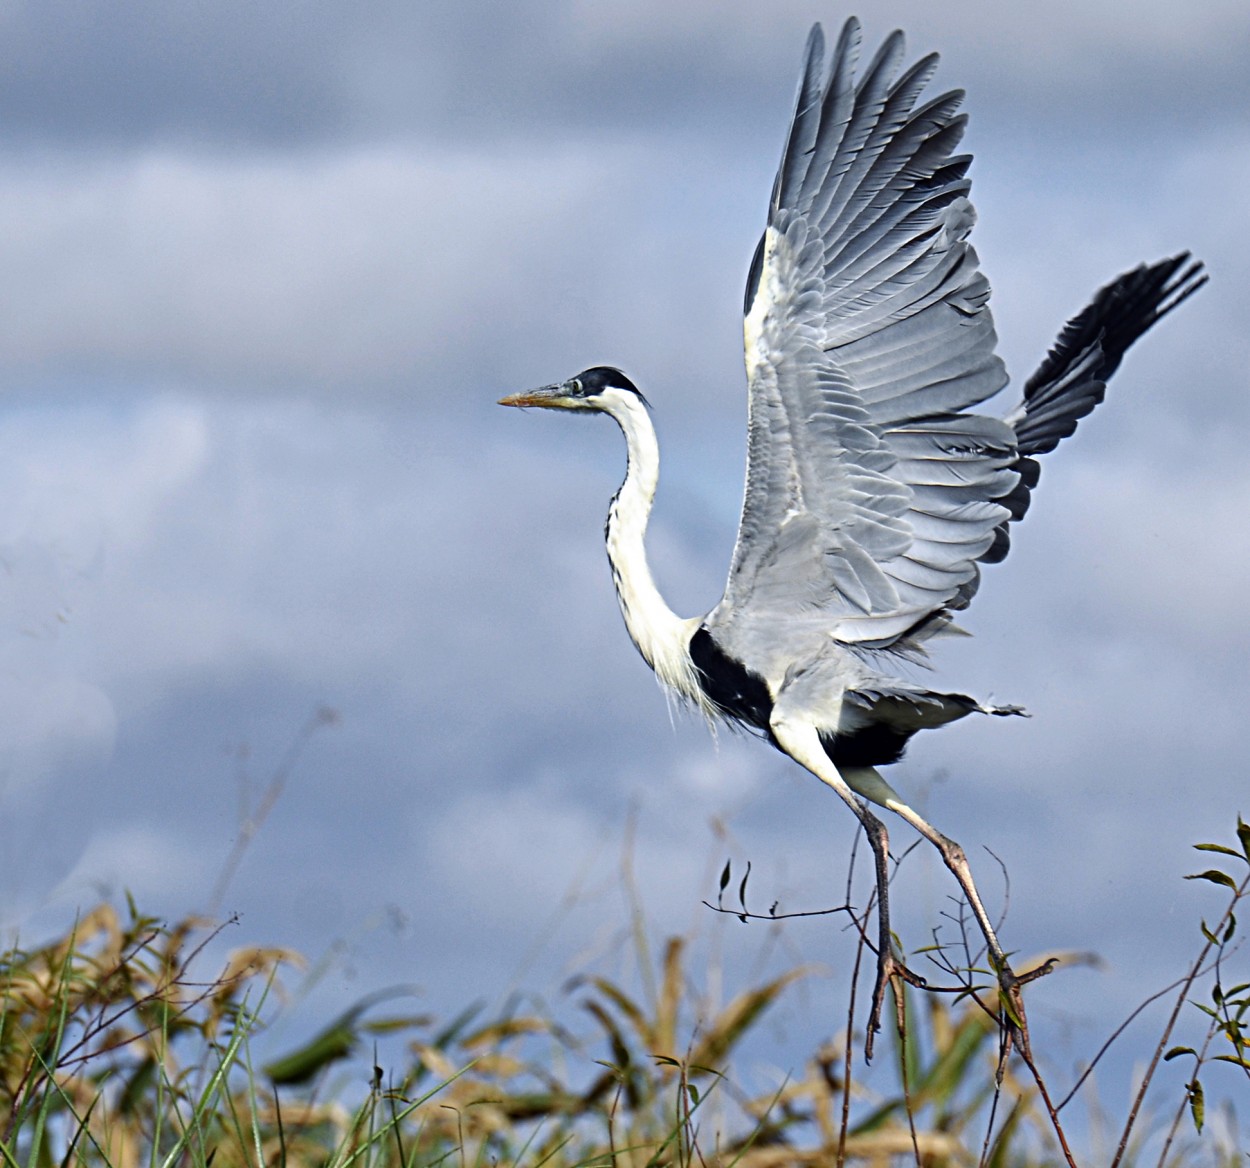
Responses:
[1011,1006]
[890,971]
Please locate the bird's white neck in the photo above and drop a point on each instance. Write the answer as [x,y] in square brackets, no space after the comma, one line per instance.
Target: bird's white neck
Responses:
[662,636]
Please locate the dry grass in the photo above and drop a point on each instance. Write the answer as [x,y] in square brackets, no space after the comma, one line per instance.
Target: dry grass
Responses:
[114,1051]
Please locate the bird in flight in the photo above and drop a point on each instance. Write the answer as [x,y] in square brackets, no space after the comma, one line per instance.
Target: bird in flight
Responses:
[874,492]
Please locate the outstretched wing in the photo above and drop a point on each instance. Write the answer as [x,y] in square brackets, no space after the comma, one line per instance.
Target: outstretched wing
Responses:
[1072,379]
[870,492]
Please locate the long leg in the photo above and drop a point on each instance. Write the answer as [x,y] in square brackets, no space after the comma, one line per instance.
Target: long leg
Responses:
[800,739]
[869,783]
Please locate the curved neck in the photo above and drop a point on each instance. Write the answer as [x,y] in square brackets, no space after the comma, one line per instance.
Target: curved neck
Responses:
[661,635]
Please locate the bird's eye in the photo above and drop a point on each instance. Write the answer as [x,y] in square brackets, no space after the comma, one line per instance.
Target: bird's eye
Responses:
[575,387]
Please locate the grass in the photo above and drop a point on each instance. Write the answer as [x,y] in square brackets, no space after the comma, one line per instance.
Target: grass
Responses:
[116,1050]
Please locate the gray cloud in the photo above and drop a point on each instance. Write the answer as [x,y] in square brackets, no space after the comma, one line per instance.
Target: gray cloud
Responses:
[263,278]
[100,75]
[142,74]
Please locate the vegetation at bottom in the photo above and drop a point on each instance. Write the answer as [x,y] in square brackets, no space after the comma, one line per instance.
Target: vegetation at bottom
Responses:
[116,1050]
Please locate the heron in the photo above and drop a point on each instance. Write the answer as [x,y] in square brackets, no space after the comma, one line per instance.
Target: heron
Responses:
[874,490]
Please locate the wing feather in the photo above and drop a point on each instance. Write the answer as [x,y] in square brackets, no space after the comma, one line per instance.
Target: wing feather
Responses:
[872,491]
[869,496]
[1072,379]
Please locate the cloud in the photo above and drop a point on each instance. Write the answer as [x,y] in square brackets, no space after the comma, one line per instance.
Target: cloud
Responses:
[251,463]
[146,862]
[100,73]
[138,74]
[49,723]
[346,271]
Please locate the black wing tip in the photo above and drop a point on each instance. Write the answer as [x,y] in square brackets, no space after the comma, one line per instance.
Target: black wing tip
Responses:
[1153,289]
[1072,380]
[1184,275]
[1133,303]
[1119,314]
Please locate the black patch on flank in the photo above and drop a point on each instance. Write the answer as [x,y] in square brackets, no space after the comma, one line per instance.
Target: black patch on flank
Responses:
[728,684]
[875,745]
[753,276]
[740,694]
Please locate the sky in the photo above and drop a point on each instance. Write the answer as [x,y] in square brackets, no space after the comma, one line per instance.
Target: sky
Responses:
[265,270]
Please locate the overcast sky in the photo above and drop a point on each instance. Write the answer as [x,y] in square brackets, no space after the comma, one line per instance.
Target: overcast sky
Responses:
[264,271]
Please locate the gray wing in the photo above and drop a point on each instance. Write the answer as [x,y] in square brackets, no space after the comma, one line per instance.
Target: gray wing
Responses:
[870,492]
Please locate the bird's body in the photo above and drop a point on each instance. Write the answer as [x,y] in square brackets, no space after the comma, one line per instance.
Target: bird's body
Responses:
[874,490]
[879,711]
[783,655]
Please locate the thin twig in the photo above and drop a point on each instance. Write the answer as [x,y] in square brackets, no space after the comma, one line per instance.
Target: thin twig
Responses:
[1027,1055]
[900,1020]
[745,915]
[995,1096]
[253,821]
[1166,1036]
[1199,1059]
[847,1069]
[1115,1034]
